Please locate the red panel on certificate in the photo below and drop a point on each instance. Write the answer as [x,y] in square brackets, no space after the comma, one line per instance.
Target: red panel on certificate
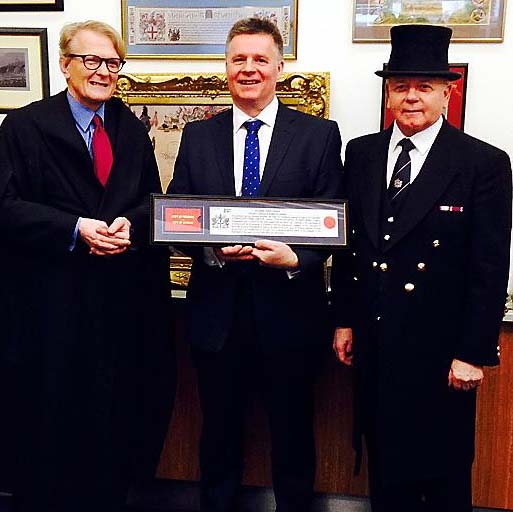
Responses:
[183,220]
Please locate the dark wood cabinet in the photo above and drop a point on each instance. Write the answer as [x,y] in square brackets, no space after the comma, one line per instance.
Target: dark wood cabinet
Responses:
[493,468]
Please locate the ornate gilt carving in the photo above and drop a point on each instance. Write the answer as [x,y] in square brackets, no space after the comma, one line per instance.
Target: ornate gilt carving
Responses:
[308,92]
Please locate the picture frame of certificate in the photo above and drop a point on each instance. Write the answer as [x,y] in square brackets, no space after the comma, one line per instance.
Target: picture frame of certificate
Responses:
[197,29]
[23,67]
[32,5]
[471,20]
[231,221]
[455,113]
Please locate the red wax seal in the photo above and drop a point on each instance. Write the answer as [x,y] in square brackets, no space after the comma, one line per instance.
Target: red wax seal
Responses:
[330,222]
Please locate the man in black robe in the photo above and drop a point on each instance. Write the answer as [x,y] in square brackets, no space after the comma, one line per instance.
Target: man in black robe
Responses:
[89,355]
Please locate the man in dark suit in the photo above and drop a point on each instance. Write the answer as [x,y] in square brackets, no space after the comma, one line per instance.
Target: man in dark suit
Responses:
[420,298]
[257,315]
[88,350]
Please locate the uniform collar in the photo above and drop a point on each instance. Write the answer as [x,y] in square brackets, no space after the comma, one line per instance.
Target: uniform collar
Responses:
[423,140]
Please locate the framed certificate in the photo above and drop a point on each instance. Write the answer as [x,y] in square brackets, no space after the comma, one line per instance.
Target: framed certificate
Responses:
[230,221]
[197,29]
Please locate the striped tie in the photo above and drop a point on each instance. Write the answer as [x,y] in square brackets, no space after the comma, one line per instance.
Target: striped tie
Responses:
[402,169]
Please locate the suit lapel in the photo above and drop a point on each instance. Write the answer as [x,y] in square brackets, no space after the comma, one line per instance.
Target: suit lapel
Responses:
[433,179]
[283,133]
[223,137]
[373,186]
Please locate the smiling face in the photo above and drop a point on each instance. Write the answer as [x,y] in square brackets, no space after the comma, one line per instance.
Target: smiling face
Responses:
[253,66]
[90,88]
[417,103]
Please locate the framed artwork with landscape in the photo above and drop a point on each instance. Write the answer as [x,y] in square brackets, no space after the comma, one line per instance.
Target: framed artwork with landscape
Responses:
[23,67]
[471,20]
[165,103]
[197,29]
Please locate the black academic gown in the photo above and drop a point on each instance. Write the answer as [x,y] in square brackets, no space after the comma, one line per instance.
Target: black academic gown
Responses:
[89,346]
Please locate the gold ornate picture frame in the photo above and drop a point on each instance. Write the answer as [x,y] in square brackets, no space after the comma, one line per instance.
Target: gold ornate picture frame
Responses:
[171,101]
[165,103]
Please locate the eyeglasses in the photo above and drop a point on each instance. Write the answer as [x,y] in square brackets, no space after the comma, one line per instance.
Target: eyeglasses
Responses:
[93,62]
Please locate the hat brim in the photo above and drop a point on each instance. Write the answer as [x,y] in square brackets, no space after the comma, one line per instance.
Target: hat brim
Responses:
[448,75]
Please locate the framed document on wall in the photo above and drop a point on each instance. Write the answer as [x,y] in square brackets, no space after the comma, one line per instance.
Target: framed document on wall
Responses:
[197,29]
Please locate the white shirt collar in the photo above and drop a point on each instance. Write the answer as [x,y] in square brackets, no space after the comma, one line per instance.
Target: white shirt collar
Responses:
[423,140]
[267,116]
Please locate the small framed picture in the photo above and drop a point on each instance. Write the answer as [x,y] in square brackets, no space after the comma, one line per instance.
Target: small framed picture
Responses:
[456,110]
[32,5]
[23,67]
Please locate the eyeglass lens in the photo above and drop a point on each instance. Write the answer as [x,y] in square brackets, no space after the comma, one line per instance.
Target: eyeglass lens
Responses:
[94,62]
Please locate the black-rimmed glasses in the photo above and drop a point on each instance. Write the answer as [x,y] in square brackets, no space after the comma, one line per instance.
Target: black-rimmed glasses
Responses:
[93,62]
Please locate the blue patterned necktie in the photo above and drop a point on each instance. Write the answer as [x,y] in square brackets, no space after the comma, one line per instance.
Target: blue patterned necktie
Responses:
[251,170]
[402,170]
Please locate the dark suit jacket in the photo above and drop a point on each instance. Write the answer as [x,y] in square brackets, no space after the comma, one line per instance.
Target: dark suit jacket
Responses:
[89,338]
[303,162]
[438,287]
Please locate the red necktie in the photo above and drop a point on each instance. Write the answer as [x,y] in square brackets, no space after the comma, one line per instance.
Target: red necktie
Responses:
[102,151]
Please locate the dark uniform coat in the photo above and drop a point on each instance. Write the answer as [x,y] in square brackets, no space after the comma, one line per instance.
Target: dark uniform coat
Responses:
[432,290]
[89,347]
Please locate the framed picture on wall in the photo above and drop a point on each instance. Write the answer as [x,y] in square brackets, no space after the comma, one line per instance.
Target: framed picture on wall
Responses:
[23,67]
[456,110]
[197,29]
[470,20]
[31,5]
[166,103]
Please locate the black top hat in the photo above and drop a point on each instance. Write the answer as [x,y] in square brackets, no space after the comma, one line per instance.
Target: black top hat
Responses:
[419,50]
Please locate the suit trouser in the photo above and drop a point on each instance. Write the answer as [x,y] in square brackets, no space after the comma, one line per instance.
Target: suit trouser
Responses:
[285,379]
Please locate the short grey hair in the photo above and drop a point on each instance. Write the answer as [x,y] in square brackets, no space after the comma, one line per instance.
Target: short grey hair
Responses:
[70,30]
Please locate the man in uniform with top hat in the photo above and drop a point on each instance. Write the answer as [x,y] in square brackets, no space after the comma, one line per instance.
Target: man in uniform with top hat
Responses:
[420,297]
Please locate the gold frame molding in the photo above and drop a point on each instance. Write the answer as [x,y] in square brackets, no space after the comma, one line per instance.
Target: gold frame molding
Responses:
[308,92]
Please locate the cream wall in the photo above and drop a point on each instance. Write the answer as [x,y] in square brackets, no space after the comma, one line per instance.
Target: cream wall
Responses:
[324,44]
